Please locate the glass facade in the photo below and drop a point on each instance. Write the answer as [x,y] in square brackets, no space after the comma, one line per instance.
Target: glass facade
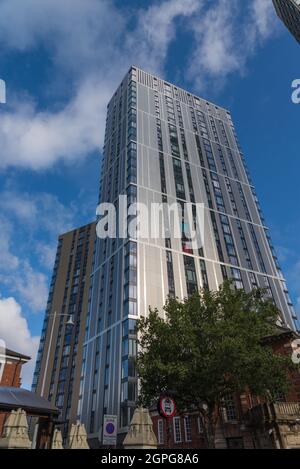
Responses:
[289,12]
[61,357]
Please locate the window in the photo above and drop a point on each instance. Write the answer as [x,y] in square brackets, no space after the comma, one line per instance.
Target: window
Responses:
[124,391]
[59,400]
[204,274]
[228,238]
[200,424]
[160,432]
[253,280]
[187,429]
[162,173]
[132,390]
[229,409]
[170,271]
[237,278]
[177,429]
[178,177]
[190,274]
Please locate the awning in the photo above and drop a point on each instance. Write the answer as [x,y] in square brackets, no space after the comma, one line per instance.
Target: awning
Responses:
[14,398]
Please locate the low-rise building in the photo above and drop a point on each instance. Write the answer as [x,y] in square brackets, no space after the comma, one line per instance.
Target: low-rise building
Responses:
[10,373]
[245,421]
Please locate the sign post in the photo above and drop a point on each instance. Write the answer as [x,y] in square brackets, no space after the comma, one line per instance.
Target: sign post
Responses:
[167,407]
[110,430]
[167,410]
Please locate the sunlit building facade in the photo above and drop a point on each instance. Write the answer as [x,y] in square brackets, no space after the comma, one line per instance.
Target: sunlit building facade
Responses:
[165,145]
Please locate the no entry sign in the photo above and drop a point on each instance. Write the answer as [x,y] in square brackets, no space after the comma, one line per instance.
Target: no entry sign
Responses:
[167,406]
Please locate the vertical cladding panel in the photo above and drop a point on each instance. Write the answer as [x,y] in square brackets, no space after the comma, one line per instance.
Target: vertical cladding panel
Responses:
[209,244]
[154,171]
[154,278]
[151,102]
[199,189]
[251,204]
[267,257]
[170,177]
[146,127]
[152,132]
[142,286]
[140,128]
[142,94]
[142,166]
[192,149]
[165,137]
[179,273]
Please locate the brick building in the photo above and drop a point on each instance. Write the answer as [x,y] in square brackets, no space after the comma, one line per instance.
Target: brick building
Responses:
[244,422]
[10,372]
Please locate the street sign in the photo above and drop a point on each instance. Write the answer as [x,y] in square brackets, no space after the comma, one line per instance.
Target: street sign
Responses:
[167,407]
[110,430]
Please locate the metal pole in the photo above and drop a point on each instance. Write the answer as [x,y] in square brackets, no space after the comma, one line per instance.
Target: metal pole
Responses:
[48,355]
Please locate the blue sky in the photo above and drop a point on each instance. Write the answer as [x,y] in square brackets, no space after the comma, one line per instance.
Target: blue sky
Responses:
[61,62]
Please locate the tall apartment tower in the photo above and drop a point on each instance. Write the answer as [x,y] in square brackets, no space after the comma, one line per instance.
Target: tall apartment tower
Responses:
[58,365]
[289,12]
[163,144]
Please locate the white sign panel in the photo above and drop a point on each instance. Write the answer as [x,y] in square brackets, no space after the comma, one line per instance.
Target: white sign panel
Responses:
[110,430]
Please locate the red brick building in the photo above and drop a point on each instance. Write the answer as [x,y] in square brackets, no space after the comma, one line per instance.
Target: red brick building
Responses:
[244,422]
[10,372]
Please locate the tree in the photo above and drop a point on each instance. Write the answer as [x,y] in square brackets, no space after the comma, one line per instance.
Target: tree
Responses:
[208,347]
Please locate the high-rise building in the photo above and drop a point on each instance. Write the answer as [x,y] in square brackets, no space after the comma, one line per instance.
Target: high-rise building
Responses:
[58,365]
[289,12]
[163,144]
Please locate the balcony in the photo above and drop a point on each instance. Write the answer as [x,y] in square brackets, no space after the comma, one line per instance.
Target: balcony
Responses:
[279,412]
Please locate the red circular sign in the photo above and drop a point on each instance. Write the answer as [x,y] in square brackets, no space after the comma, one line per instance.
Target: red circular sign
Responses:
[167,407]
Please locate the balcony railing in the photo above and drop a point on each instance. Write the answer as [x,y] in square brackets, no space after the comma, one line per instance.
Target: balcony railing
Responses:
[279,411]
[287,410]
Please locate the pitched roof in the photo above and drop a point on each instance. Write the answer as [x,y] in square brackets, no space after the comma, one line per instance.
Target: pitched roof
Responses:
[12,353]
[15,398]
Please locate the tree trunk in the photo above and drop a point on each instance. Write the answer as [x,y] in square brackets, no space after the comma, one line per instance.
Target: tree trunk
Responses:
[209,428]
[211,431]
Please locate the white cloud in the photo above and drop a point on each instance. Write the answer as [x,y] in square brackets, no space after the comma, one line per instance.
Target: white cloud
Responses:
[227,35]
[8,261]
[16,334]
[92,44]
[37,140]
[46,254]
[98,55]
[30,285]
[41,212]
[77,32]
[156,30]
[36,220]
[262,14]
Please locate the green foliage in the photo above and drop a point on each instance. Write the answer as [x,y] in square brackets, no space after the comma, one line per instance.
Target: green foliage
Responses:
[210,346]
